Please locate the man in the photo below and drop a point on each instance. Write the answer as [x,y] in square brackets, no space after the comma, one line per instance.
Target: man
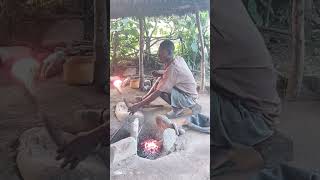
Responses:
[177,85]
[244,100]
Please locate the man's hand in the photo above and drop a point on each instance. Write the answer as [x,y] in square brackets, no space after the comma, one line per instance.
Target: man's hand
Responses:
[134,108]
[78,149]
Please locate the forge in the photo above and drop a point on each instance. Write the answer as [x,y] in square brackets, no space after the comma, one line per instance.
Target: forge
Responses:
[149,139]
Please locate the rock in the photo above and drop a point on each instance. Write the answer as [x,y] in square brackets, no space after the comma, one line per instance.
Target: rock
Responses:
[134,128]
[180,143]
[169,139]
[36,160]
[123,149]
[122,113]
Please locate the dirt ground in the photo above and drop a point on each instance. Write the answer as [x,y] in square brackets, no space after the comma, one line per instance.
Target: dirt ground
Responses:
[190,163]
[299,119]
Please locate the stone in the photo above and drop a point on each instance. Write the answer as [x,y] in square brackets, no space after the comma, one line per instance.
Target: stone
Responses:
[123,149]
[121,112]
[36,160]
[134,128]
[169,139]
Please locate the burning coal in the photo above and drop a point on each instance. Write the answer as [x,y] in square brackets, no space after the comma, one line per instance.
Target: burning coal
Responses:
[150,148]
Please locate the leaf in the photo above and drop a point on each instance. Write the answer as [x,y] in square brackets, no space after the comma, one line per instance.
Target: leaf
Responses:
[194,46]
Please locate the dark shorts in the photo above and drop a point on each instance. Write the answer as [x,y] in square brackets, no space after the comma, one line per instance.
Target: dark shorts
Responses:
[233,123]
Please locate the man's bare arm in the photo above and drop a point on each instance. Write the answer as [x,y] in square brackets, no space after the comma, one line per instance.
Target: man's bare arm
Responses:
[135,107]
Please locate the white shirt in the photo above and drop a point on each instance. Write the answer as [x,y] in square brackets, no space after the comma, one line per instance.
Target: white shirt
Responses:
[177,74]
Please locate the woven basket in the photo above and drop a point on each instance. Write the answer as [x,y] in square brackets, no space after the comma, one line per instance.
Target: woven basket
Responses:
[79,70]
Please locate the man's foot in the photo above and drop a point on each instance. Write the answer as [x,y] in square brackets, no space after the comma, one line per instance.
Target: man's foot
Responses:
[240,158]
[175,113]
[276,150]
[196,109]
[163,122]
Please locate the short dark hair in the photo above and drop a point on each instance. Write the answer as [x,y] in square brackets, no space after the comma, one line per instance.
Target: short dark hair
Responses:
[167,45]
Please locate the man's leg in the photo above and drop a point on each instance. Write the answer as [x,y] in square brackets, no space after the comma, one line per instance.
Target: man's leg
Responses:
[181,101]
[166,97]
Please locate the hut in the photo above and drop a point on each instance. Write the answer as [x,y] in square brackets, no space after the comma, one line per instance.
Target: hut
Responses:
[151,8]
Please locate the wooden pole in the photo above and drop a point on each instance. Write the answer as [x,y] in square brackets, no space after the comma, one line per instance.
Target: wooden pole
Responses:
[268,13]
[202,66]
[101,44]
[308,26]
[141,44]
[297,49]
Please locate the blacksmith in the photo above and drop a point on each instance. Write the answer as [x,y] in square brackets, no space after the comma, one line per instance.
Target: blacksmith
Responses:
[244,101]
[177,85]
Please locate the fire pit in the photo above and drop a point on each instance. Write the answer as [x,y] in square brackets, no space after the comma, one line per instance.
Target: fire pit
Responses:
[151,142]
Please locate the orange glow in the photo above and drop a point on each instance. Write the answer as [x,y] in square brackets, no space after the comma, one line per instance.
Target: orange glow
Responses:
[117,83]
[151,146]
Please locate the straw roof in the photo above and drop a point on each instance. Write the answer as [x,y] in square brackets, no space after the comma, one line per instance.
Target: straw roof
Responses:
[141,8]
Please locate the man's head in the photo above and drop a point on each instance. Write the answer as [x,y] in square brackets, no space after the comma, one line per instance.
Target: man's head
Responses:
[166,51]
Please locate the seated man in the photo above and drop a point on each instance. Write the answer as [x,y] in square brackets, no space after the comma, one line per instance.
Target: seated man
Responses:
[177,85]
[245,102]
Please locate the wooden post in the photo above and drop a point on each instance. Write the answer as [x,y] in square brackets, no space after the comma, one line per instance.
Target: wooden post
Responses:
[141,44]
[297,49]
[100,43]
[268,13]
[308,26]
[202,66]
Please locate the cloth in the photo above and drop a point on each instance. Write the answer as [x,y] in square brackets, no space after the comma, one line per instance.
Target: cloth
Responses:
[234,124]
[177,74]
[241,62]
[286,172]
[181,100]
[199,122]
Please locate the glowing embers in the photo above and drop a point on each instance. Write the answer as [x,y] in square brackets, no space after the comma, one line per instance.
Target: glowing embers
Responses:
[150,148]
[117,84]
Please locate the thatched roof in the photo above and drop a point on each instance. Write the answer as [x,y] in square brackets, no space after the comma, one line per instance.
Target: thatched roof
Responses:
[141,8]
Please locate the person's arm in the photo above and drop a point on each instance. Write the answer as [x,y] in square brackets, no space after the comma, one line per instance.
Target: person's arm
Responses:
[135,107]
[81,146]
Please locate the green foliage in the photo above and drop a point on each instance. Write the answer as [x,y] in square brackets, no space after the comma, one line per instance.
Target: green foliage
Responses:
[182,30]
